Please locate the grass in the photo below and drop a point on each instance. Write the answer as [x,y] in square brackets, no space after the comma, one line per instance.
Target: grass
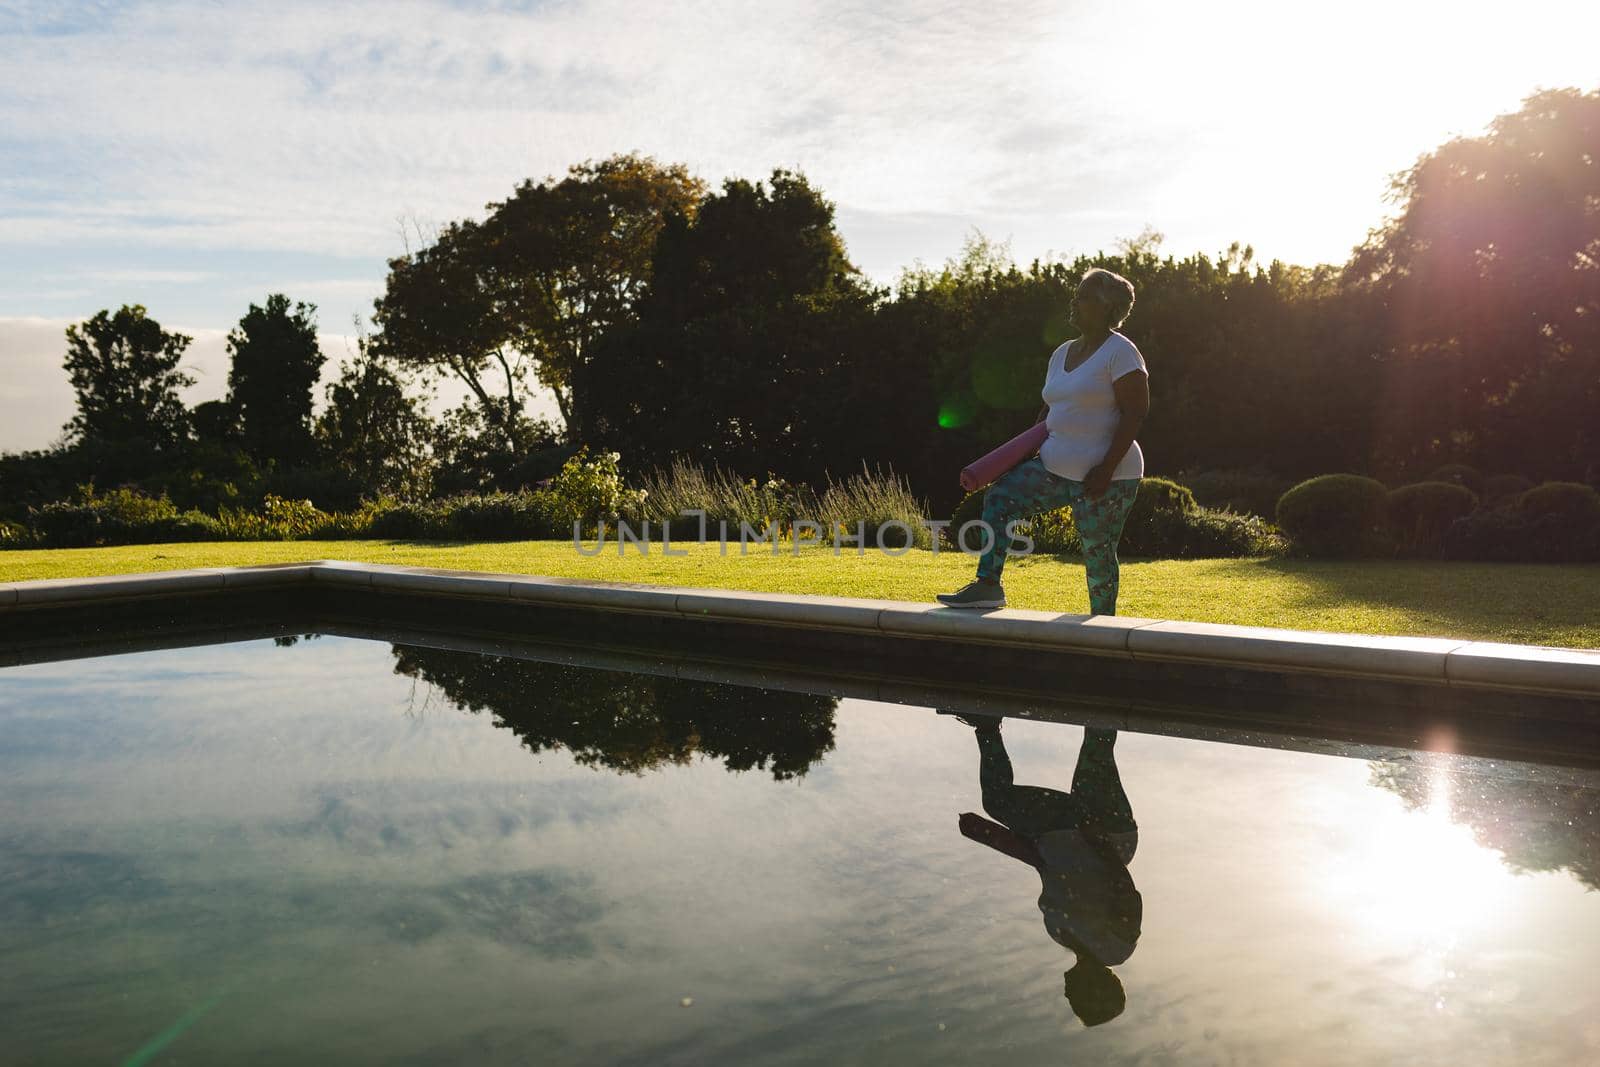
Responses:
[1525,603]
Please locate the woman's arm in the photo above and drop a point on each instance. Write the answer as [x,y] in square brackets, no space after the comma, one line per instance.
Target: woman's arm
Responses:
[1133,399]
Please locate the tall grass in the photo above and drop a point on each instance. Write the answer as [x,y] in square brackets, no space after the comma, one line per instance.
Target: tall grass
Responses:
[868,500]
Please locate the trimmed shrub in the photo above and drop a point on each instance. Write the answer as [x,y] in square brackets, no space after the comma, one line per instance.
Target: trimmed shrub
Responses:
[119,517]
[1165,522]
[190,525]
[1500,489]
[1420,514]
[1507,535]
[536,514]
[528,515]
[1336,515]
[1248,492]
[1202,534]
[1573,502]
[1159,494]
[409,522]
[1457,474]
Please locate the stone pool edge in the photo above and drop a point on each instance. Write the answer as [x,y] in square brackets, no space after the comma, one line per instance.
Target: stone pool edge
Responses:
[1438,661]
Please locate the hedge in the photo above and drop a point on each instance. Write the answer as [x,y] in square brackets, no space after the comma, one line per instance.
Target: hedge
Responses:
[1338,515]
[1419,515]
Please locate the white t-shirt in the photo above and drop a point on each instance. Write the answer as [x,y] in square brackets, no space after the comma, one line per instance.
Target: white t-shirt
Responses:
[1083,414]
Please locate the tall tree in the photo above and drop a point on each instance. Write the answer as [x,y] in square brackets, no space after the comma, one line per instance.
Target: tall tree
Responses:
[1489,277]
[276,361]
[739,343]
[374,427]
[576,256]
[124,370]
[527,291]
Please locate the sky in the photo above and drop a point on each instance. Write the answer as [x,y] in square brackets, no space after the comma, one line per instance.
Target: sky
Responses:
[194,157]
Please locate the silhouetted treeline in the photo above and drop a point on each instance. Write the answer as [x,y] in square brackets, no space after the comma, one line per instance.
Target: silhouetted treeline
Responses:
[631,722]
[729,328]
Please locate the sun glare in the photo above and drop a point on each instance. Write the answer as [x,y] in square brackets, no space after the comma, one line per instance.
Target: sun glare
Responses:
[1418,876]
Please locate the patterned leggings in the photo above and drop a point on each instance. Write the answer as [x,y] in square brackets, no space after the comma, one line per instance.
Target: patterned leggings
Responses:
[1029,489]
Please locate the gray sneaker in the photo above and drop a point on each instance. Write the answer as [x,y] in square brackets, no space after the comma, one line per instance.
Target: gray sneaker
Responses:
[975,594]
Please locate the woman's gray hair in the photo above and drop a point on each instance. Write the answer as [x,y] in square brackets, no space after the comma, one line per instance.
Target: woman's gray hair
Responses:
[1112,288]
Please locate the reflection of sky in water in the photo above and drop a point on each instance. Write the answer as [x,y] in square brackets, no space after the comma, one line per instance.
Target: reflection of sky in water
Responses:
[319,860]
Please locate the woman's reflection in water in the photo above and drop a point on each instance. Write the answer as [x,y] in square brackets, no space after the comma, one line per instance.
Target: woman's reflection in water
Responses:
[1080,843]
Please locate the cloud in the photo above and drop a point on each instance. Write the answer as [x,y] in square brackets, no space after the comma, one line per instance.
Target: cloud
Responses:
[149,277]
[165,143]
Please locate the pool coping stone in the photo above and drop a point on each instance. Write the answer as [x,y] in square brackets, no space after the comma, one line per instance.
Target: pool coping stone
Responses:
[1443,661]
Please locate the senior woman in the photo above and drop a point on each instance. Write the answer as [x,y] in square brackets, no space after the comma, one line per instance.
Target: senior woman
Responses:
[1096,394]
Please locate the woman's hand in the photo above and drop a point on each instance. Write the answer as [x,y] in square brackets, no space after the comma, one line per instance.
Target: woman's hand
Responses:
[1098,480]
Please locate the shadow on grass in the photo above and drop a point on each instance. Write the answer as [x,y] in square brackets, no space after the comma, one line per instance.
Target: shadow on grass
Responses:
[1506,601]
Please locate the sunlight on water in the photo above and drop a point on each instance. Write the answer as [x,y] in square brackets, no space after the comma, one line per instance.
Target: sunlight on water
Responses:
[386,853]
[1423,877]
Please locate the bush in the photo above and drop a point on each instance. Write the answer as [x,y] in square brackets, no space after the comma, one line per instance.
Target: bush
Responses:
[1573,502]
[1159,494]
[1421,514]
[120,517]
[970,508]
[1336,515]
[525,515]
[15,535]
[329,489]
[409,522]
[1166,522]
[1457,474]
[1500,489]
[1203,534]
[1055,531]
[592,490]
[1051,532]
[187,526]
[345,525]
[1507,535]
[278,520]
[1248,492]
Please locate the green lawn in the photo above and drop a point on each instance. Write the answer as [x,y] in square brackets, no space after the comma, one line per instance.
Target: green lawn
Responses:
[1536,604]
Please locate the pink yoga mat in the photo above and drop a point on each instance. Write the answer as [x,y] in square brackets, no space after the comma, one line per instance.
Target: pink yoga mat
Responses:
[980,472]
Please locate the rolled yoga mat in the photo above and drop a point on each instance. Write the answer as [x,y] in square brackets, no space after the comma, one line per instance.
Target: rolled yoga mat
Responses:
[980,472]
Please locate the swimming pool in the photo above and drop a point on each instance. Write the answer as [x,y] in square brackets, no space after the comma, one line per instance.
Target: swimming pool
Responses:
[324,848]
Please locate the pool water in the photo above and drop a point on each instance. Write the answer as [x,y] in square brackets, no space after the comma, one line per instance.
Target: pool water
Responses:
[331,850]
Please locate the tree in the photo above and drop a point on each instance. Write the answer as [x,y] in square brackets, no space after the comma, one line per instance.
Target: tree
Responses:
[374,427]
[1543,822]
[741,341]
[630,723]
[1489,282]
[124,369]
[578,254]
[529,289]
[276,361]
